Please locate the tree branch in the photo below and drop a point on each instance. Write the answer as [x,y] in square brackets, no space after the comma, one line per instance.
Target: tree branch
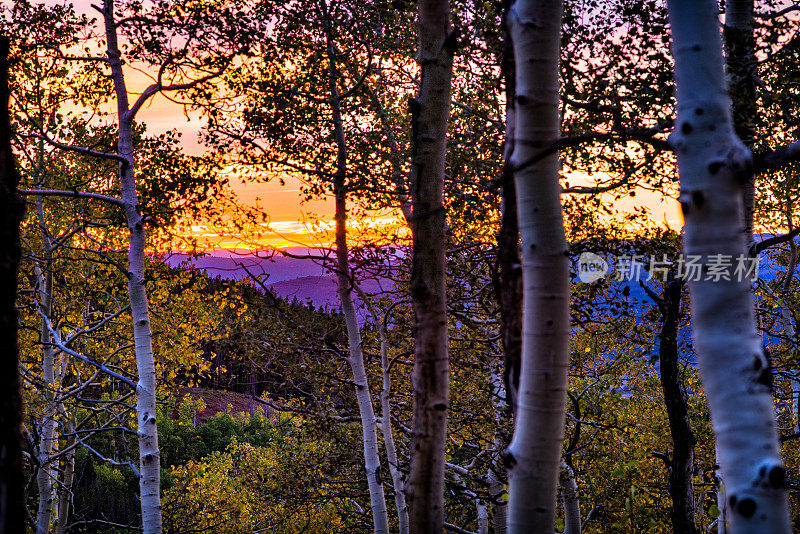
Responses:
[73,194]
[777,158]
[73,148]
[775,240]
[158,87]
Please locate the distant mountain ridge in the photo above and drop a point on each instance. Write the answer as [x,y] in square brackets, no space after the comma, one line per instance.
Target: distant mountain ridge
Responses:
[290,278]
[238,265]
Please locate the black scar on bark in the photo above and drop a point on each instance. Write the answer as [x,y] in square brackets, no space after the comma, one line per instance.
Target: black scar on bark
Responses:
[747,507]
[777,476]
[698,198]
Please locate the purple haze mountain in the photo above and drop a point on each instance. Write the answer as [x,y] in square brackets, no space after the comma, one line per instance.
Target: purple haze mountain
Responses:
[238,265]
[290,278]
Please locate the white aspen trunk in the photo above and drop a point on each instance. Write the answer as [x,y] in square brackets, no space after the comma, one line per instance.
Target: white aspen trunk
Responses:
[388,437]
[742,72]
[796,400]
[46,475]
[431,375]
[67,478]
[713,165]
[534,456]
[149,453]
[788,329]
[482,512]
[386,416]
[496,489]
[571,499]
[369,424]
[722,506]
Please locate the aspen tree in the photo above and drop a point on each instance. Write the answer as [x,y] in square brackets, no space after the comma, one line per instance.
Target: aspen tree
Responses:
[741,66]
[431,365]
[571,499]
[369,424]
[149,453]
[386,417]
[681,464]
[12,483]
[533,458]
[713,165]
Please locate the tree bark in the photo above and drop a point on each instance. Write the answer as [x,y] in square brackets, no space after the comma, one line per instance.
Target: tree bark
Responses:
[67,479]
[534,456]
[713,163]
[369,424]
[496,488]
[741,66]
[571,499]
[46,474]
[386,416]
[429,114]
[12,483]
[508,285]
[681,472]
[149,453]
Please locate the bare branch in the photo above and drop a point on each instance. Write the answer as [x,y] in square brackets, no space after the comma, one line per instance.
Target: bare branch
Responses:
[775,240]
[777,158]
[72,194]
[641,136]
[86,359]
[109,460]
[158,87]
[72,148]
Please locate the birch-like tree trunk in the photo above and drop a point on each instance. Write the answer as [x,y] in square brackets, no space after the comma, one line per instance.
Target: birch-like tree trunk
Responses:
[681,472]
[386,416]
[369,424]
[741,65]
[496,489]
[713,165]
[571,499]
[429,113]
[46,475]
[67,479]
[149,453]
[534,456]
[508,286]
[12,482]
[787,320]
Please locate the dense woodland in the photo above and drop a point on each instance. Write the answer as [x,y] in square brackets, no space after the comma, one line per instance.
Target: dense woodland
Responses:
[485,387]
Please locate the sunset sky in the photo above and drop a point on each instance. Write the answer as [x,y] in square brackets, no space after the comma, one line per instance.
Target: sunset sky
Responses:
[282,202]
[288,217]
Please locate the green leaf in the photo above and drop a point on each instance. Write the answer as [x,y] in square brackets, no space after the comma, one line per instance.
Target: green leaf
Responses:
[714,512]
